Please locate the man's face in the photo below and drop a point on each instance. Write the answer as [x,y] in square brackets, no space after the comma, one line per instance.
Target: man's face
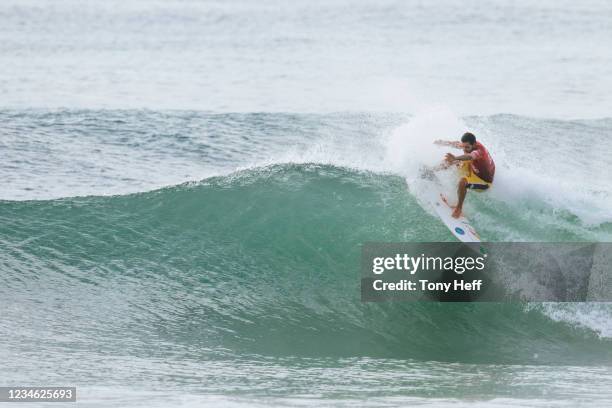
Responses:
[467,148]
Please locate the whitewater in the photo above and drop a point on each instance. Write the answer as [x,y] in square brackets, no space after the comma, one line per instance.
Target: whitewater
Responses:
[186,187]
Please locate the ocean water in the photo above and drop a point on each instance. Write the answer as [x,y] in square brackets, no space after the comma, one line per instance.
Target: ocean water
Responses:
[186,186]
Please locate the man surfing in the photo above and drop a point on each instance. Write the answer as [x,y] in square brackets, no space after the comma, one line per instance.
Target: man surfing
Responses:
[477,167]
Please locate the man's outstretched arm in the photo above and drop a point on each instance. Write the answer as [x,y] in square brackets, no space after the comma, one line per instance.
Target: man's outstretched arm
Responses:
[456,145]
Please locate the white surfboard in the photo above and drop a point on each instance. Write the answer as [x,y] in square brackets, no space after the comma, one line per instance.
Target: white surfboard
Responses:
[459,227]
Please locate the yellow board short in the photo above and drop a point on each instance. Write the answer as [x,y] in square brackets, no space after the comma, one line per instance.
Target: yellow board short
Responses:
[473,181]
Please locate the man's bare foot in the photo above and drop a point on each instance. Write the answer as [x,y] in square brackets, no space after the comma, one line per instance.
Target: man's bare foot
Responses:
[456,212]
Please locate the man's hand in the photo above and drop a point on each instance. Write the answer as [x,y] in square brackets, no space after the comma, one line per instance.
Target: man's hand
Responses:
[450,158]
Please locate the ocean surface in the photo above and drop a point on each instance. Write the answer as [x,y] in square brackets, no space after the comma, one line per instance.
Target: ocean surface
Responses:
[186,186]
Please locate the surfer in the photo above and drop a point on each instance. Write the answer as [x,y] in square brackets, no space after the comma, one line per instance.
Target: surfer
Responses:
[477,167]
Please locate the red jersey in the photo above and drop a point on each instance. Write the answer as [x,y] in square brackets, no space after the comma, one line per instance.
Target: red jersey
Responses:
[482,164]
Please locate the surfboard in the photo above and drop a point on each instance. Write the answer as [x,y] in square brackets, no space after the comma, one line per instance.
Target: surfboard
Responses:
[460,227]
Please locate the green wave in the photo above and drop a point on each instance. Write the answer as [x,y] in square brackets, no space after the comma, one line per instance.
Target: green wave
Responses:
[265,261]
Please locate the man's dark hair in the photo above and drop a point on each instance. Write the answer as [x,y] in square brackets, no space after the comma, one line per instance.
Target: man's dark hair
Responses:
[468,138]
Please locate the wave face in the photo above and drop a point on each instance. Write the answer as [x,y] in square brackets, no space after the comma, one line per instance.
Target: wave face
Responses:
[261,262]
